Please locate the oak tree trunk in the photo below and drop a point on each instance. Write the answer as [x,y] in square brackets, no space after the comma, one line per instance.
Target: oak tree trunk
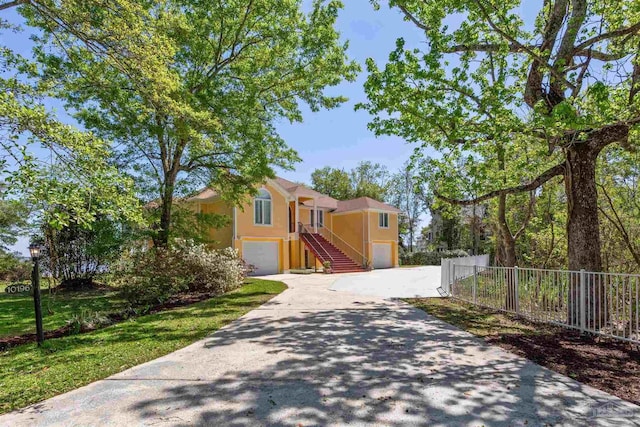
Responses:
[164,226]
[508,244]
[171,164]
[162,239]
[583,231]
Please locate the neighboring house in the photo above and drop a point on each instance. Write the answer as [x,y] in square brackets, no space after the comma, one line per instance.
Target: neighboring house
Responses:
[289,226]
[422,244]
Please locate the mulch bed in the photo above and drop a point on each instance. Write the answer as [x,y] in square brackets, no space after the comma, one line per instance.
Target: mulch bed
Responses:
[602,363]
[174,302]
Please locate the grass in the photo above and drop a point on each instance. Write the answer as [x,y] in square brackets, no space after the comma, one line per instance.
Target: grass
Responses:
[17,312]
[29,374]
[477,320]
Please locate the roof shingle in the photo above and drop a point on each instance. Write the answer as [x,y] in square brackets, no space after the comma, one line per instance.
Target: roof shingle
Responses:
[364,203]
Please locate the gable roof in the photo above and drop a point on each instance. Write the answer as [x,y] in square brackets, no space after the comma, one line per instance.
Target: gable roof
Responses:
[321,200]
[204,194]
[295,189]
[364,203]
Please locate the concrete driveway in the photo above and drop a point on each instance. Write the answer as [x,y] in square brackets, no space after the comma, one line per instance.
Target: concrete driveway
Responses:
[313,356]
[393,282]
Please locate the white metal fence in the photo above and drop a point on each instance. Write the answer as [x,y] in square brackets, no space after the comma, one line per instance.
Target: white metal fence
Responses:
[446,268]
[601,303]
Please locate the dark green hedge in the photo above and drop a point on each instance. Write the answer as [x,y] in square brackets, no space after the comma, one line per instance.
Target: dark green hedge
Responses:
[429,258]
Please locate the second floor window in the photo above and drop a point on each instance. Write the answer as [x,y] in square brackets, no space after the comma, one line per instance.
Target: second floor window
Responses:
[320,215]
[262,208]
[383,220]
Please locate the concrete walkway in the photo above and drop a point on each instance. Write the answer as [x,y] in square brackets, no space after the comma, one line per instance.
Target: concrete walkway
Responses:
[393,283]
[313,356]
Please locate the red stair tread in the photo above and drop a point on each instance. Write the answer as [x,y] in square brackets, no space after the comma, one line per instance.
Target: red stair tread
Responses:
[325,251]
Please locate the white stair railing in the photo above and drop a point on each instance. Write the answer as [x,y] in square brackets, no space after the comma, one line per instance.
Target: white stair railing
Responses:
[304,230]
[351,252]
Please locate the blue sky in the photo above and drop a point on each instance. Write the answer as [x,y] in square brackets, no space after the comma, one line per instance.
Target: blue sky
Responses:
[338,137]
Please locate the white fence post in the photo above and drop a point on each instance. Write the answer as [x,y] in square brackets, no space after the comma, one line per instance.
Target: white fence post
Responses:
[453,276]
[475,284]
[448,273]
[516,285]
[622,293]
[583,300]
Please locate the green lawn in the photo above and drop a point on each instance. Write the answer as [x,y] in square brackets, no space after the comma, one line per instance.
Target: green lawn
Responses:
[29,374]
[17,312]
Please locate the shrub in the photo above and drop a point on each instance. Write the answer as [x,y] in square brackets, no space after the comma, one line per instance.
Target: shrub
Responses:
[152,276]
[75,254]
[209,270]
[13,269]
[148,277]
[429,258]
[87,321]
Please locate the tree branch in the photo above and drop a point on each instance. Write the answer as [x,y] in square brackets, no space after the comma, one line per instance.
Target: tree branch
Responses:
[11,4]
[530,186]
[525,48]
[413,19]
[487,47]
[527,218]
[618,224]
[194,162]
[520,48]
[616,132]
[635,28]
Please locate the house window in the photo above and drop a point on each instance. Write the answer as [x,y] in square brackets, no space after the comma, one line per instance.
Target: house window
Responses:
[383,220]
[262,208]
[320,215]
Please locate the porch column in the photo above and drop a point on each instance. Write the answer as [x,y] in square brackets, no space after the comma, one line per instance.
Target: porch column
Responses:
[297,219]
[315,216]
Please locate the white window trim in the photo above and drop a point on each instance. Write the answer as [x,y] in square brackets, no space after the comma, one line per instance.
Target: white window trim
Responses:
[256,199]
[381,215]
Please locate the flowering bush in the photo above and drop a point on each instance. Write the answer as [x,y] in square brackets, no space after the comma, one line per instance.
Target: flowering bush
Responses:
[213,271]
[152,276]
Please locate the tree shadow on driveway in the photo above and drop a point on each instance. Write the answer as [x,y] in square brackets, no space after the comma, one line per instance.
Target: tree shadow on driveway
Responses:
[386,365]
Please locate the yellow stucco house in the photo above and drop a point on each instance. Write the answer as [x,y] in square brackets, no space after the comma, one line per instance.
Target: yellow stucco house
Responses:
[289,226]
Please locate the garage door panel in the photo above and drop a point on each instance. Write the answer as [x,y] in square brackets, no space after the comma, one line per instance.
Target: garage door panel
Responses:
[263,256]
[382,255]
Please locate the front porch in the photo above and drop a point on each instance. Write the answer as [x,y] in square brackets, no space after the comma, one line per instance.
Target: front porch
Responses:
[312,243]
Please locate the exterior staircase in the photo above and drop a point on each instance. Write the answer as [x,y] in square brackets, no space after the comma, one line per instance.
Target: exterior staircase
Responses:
[325,251]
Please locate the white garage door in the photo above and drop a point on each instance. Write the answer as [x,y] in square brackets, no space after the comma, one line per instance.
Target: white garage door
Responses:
[382,255]
[262,255]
